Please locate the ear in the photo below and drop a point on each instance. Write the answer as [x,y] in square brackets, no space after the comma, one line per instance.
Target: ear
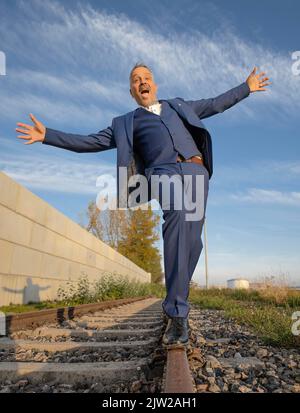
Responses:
[130,92]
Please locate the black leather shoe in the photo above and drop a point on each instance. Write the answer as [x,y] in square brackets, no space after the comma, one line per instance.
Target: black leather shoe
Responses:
[177,331]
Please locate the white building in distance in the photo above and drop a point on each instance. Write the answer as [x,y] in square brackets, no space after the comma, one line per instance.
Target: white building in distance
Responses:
[236,283]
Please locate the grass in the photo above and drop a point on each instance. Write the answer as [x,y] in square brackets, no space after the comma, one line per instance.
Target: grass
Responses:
[23,308]
[267,313]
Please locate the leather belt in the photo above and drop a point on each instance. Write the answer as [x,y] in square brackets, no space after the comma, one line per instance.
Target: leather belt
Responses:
[194,159]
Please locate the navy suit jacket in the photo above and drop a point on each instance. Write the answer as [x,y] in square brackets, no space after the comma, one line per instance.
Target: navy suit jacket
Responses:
[120,134]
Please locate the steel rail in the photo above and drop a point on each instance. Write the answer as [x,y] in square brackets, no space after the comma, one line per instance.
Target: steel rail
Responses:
[33,319]
[178,378]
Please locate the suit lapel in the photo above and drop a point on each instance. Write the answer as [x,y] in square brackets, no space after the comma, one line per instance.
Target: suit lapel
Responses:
[129,128]
[189,115]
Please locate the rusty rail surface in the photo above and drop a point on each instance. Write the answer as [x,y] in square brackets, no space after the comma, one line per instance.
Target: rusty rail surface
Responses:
[178,377]
[33,319]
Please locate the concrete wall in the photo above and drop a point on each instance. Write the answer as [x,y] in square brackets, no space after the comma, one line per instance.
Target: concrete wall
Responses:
[41,249]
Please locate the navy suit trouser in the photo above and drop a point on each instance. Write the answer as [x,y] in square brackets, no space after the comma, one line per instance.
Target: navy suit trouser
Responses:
[181,237]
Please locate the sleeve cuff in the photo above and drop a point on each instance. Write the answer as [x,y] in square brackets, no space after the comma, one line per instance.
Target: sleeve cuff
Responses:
[48,134]
[245,88]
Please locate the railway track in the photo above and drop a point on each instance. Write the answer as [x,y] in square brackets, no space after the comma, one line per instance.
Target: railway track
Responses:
[116,347]
[112,347]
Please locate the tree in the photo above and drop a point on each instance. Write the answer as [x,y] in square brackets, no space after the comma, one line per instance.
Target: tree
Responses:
[132,232]
[138,241]
[94,222]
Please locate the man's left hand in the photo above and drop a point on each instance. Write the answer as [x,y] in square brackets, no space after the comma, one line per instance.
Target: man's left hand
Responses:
[256,82]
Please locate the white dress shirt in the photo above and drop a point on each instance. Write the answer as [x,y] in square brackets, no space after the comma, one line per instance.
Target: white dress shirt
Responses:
[155,108]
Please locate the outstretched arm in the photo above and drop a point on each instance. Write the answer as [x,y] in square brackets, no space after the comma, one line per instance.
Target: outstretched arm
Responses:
[12,290]
[95,142]
[209,107]
[44,288]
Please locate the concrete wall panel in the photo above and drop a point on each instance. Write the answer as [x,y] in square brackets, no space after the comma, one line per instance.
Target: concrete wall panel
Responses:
[41,249]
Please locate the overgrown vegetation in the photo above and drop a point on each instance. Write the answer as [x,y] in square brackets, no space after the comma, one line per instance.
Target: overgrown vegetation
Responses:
[111,286]
[268,311]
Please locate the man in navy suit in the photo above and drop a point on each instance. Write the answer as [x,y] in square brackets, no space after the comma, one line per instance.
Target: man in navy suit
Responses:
[161,138]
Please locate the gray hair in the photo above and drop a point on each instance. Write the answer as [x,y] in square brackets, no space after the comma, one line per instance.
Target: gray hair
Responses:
[139,64]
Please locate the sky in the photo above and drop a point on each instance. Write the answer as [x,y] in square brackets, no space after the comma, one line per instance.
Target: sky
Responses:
[68,63]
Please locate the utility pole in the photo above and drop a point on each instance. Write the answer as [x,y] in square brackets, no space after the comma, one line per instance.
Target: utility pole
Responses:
[205,251]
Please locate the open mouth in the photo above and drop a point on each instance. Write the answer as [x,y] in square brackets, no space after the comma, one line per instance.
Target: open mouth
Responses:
[145,92]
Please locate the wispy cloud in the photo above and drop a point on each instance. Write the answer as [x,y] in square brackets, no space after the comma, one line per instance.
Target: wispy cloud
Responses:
[79,48]
[278,180]
[265,171]
[52,174]
[55,111]
[265,196]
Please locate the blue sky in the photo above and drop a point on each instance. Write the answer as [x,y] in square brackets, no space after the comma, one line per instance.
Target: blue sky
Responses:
[68,63]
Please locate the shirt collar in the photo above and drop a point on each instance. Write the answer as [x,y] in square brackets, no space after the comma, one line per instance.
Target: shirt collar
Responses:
[154,104]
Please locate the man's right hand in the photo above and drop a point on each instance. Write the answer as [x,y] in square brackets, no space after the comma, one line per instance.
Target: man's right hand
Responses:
[32,134]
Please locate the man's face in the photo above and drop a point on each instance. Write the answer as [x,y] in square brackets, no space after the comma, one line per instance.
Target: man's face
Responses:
[142,86]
